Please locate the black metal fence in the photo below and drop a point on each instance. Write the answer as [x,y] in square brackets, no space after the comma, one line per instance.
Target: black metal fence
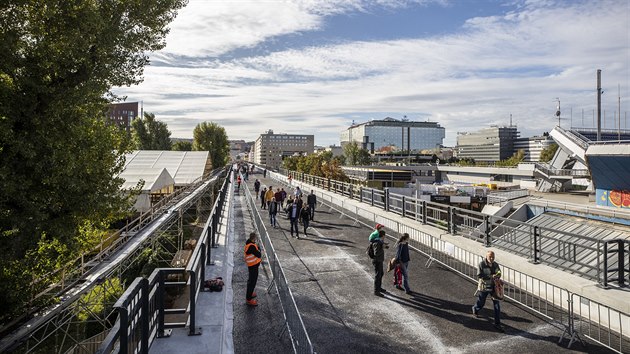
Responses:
[142,314]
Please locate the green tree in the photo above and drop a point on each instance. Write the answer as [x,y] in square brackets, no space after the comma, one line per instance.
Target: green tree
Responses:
[351,152]
[150,134]
[364,158]
[182,145]
[58,62]
[212,138]
[547,154]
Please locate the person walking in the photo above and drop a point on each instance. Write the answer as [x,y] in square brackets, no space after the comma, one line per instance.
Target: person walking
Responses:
[289,179]
[263,204]
[238,183]
[265,173]
[278,196]
[305,215]
[284,196]
[273,210]
[298,192]
[269,195]
[402,261]
[378,246]
[487,272]
[311,200]
[253,257]
[294,215]
[257,188]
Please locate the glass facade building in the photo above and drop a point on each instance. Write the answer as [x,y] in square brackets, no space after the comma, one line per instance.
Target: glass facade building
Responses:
[401,135]
[489,144]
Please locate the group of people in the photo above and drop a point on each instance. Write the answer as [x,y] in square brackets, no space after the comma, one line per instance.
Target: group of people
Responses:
[488,273]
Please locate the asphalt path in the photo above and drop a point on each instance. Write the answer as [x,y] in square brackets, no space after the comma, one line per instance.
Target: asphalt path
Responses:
[332,281]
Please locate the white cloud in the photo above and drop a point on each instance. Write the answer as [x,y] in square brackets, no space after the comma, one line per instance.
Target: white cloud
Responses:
[493,67]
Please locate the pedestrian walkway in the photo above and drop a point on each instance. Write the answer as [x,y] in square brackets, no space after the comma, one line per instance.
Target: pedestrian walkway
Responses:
[331,280]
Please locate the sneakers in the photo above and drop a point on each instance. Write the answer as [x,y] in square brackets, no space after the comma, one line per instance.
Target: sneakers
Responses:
[383,290]
[379,294]
[475,312]
[254,294]
[252,302]
[409,292]
[499,328]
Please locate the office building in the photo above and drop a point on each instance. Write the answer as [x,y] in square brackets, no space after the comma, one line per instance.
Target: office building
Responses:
[390,133]
[122,114]
[270,148]
[532,147]
[489,144]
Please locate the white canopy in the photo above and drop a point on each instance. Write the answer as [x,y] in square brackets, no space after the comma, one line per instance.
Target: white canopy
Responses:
[184,166]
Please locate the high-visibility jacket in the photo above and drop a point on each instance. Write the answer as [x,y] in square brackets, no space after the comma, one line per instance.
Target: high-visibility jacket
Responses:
[251,259]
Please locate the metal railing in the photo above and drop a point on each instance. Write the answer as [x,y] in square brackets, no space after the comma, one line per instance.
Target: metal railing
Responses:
[609,327]
[142,314]
[293,320]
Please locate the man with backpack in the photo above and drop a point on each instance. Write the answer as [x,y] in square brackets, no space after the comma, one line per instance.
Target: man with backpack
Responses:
[378,246]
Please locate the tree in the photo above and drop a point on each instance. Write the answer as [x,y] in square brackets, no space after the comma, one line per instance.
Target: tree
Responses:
[150,134]
[351,152]
[182,145]
[212,138]
[548,153]
[58,62]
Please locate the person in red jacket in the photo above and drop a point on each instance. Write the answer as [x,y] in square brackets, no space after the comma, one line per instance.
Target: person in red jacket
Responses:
[253,257]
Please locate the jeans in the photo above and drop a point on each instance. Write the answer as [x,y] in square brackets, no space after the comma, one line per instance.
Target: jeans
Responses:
[272,219]
[481,301]
[312,208]
[294,226]
[305,223]
[378,275]
[405,275]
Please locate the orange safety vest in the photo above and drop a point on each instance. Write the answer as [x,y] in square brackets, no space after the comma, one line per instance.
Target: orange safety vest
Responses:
[251,259]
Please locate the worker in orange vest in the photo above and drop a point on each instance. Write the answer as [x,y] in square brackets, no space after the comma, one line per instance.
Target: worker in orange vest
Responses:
[253,257]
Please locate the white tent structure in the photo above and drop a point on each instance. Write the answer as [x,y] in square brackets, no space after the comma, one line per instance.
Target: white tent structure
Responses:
[162,172]
[156,182]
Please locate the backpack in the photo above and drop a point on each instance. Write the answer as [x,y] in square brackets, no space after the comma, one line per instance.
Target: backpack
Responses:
[215,284]
[370,251]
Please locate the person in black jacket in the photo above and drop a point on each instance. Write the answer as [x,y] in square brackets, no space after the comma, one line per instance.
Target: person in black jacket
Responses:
[379,245]
[257,188]
[273,210]
[305,215]
[402,259]
[263,204]
[488,271]
[311,200]
[253,257]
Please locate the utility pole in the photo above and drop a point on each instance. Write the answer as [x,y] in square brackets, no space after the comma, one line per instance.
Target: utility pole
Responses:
[599,104]
[619,112]
[558,110]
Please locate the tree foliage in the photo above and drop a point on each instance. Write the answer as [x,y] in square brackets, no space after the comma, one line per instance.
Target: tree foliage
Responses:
[547,154]
[58,61]
[355,155]
[182,145]
[211,137]
[322,165]
[150,134]
[517,158]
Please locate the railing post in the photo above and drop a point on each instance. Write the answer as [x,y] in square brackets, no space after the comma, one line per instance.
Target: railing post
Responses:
[351,191]
[451,225]
[486,220]
[404,211]
[424,212]
[192,330]
[329,184]
[361,194]
[144,316]
[386,199]
[160,306]
[605,270]
[372,201]
[124,330]
[621,262]
[536,243]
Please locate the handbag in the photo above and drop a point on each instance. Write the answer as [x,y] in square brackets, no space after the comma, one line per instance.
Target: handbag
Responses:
[392,264]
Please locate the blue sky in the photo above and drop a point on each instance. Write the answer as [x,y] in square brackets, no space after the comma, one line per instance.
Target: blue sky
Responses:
[314,66]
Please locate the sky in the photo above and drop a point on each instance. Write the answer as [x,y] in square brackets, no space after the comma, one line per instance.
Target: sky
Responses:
[317,66]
